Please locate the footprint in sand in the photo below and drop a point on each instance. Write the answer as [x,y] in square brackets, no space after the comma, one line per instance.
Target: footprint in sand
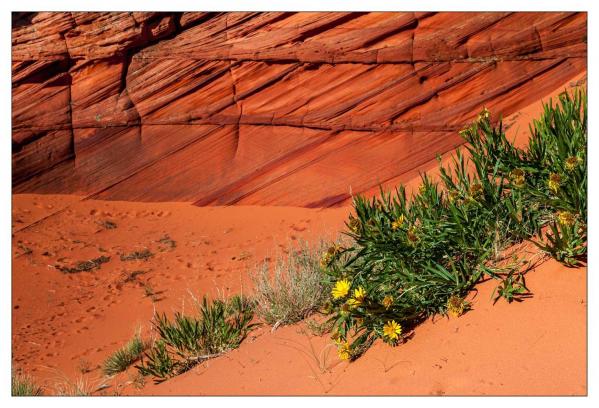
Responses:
[296,228]
[437,391]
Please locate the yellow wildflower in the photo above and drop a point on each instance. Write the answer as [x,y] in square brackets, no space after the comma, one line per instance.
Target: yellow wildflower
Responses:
[398,222]
[517,177]
[343,350]
[572,162]
[341,289]
[360,294]
[554,182]
[388,301]
[358,299]
[455,306]
[422,188]
[392,330]
[565,217]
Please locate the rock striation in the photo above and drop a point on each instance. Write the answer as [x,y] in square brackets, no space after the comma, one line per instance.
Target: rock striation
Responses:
[297,109]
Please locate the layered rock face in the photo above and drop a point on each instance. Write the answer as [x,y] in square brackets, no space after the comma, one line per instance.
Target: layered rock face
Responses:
[295,109]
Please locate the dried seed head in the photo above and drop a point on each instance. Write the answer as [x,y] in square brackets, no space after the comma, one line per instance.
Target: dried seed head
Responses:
[517,177]
[455,306]
[566,218]
[484,114]
[476,191]
[555,180]
[412,237]
[388,302]
[354,225]
[573,162]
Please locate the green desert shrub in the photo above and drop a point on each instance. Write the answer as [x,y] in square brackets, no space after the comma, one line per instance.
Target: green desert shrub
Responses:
[296,289]
[419,256]
[548,180]
[24,386]
[185,341]
[121,359]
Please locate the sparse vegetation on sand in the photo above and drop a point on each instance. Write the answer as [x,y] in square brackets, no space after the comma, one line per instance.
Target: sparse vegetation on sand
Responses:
[415,258]
[24,386]
[168,242]
[85,266]
[144,255]
[219,326]
[124,357]
[296,289]
[107,224]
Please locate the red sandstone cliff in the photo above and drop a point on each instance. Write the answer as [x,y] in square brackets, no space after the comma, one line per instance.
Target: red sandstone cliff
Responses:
[265,108]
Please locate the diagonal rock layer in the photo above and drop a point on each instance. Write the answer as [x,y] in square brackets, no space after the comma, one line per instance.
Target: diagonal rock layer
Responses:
[297,109]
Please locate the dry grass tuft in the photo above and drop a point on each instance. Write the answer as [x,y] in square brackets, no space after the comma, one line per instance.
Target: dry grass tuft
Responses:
[296,288]
[24,386]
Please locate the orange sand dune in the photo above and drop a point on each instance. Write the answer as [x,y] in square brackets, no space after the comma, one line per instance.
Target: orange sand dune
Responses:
[64,324]
[537,347]
[256,110]
[61,320]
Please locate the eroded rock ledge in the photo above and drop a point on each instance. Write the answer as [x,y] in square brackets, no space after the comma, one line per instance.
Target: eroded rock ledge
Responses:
[265,108]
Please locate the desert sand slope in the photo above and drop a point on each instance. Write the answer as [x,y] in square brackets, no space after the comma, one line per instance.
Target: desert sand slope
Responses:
[63,321]
[537,347]
[67,324]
